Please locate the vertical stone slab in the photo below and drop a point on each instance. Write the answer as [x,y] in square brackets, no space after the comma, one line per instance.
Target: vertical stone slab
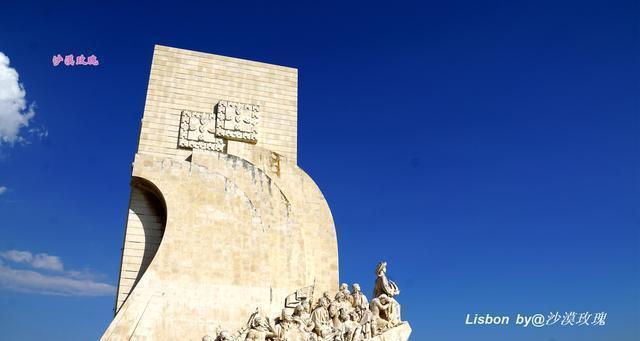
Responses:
[221,220]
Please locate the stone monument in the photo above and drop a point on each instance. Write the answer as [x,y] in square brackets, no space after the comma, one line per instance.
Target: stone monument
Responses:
[226,237]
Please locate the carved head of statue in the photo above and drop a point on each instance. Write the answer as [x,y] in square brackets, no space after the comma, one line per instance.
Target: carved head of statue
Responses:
[355,287]
[340,296]
[384,299]
[224,336]
[298,310]
[285,316]
[381,268]
[344,287]
[306,305]
[324,302]
[259,322]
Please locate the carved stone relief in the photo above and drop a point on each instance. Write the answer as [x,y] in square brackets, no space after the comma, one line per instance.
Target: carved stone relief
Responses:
[237,121]
[210,131]
[347,316]
[197,131]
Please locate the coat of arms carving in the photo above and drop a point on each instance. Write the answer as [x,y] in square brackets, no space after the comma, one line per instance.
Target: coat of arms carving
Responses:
[209,131]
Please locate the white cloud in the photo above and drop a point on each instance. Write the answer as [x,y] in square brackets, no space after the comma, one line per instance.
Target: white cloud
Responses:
[68,283]
[36,282]
[38,261]
[44,261]
[17,256]
[2,189]
[14,112]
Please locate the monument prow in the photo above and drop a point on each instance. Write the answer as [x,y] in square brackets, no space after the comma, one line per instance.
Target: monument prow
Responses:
[221,219]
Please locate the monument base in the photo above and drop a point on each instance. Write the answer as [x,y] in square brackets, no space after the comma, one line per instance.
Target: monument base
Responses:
[397,333]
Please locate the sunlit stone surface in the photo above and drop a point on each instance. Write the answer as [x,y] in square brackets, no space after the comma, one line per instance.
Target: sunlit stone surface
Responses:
[221,219]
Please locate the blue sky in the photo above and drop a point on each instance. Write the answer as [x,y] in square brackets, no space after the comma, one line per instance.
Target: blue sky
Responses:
[487,149]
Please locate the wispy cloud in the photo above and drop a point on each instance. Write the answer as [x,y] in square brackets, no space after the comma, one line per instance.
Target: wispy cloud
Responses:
[17,256]
[45,274]
[38,261]
[2,189]
[15,114]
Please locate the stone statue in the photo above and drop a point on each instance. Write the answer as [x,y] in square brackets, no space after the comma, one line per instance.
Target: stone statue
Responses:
[378,306]
[349,316]
[306,305]
[366,321]
[289,329]
[383,284]
[343,302]
[260,330]
[344,289]
[323,324]
[335,308]
[302,319]
[326,296]
[392,313]
[350,327]
[284,323]
[358,299]
[224,336]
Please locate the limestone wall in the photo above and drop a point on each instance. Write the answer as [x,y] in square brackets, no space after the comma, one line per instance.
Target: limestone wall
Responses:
[213,233]
[183,79]
[144,230]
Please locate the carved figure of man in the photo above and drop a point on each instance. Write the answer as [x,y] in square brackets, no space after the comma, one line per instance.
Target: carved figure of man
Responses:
[344,302]
[306,305]
[302,319]
[383,284]
[322,323]
[344,289]
[392,313]
[358,299]
[378,308]
[223,336]
[350,329]
[283,324]
[366,321]
[334,309]
[288,329]
[326,296]
[260,330]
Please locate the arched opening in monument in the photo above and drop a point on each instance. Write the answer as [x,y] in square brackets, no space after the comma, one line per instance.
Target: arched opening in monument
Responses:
[146,221]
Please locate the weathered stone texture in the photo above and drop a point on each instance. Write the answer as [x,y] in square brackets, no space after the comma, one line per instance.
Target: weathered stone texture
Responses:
[182,79]
[398,333]
[212,235]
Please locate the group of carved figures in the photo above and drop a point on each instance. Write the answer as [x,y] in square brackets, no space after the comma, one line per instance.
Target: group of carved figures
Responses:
[348,316]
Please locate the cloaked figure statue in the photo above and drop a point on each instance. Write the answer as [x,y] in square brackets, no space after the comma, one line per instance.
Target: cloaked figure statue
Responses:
[383,284]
